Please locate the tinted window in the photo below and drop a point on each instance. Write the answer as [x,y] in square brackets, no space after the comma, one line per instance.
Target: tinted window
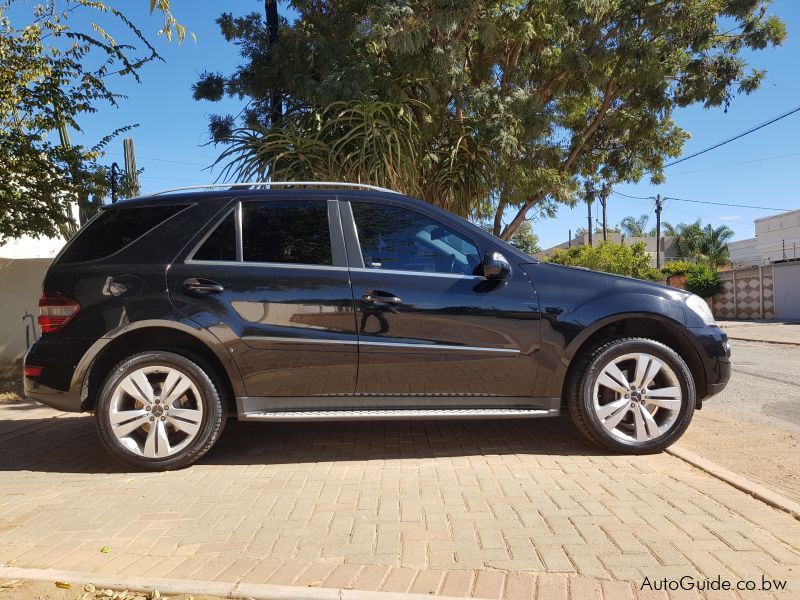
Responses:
[114,229]
[404,240]
[291,231]
[221,244]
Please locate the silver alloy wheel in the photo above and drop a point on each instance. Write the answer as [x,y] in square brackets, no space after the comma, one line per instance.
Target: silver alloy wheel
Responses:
[156,411]
[637,397]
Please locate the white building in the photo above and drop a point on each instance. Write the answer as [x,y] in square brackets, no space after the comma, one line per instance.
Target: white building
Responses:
[777,239]
[23,262]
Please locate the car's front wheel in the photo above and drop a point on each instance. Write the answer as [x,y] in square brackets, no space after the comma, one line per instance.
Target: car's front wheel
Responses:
[159,411]
[632,395]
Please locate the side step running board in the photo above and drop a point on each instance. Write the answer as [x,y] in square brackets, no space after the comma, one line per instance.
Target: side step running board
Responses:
[399,414]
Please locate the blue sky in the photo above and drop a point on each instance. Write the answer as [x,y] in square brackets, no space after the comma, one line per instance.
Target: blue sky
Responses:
[171,140]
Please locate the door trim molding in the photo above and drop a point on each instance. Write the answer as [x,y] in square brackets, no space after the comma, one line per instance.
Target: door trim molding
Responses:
[440,347]
[445,347]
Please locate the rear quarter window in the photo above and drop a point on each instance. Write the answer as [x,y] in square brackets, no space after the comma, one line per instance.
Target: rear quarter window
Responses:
[114,229]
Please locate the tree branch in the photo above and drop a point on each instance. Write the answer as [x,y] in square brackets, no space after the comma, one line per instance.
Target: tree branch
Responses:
[566,164]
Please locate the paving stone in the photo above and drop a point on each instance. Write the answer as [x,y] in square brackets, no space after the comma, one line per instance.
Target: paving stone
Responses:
[494,509]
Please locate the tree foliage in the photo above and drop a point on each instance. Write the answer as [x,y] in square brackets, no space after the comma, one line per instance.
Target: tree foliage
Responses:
[609,257]
[637,226]
[707,244]
[701,278]
[633,226]
[51,75]
[525,239]
[553,92]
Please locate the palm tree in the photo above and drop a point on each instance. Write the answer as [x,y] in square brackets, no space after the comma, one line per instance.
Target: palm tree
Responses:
[667,228]
[366,142]
[633,227]
[715,244]
[708,244]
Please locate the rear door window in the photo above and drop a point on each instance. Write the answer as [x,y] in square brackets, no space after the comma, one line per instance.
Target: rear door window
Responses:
[221,244]
[286,231]
[114,229]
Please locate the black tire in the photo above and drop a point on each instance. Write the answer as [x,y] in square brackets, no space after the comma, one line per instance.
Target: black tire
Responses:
[214,412]
[580,395]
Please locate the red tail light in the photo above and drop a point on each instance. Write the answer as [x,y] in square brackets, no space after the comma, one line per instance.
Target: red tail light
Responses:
[31,371]
[55,310]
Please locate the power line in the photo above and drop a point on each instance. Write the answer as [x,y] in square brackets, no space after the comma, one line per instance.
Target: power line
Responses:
[728,204]
[633,197]
[736,137]
[175,162]
[702,202]
[737,164]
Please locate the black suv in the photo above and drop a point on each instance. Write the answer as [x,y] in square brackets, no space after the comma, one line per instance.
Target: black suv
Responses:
[168,312]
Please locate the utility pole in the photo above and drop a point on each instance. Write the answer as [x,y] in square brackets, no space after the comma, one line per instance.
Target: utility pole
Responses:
[569,239]
[131,172]
[658,231]
[604,193]
[589,209]
[605,225]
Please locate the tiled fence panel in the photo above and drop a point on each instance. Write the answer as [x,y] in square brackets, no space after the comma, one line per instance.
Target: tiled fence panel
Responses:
[746,294]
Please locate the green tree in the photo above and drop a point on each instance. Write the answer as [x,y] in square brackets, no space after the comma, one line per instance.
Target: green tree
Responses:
[714,245]
[633,227]
[525,239]
[708,244]
[609,257]
[50,75]
[667,228]
[553,92]
[701,278]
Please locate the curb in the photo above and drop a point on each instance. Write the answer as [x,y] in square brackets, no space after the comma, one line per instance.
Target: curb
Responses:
[756,490]
[743,339]
[237,591]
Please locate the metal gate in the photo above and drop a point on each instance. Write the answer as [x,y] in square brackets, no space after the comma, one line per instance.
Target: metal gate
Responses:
[787,290]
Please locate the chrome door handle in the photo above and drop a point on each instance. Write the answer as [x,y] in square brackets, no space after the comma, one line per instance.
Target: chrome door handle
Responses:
[376,298]
[195,286]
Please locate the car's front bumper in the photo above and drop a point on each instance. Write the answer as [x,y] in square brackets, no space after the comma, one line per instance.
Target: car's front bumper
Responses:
[715,354]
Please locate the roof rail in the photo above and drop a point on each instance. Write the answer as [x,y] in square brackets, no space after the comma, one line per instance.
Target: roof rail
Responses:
[362,186]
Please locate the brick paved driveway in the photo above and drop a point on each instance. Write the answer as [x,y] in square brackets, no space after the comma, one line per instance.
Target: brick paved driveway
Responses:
[473,508]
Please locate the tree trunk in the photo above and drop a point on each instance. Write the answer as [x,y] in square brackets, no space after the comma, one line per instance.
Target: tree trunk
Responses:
[273,21]
[498,217]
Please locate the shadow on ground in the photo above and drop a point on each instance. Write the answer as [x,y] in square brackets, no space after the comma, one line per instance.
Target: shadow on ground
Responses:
[70,444]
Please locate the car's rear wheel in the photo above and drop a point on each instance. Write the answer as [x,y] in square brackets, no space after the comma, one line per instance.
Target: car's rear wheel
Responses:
[632,395]
[159,411]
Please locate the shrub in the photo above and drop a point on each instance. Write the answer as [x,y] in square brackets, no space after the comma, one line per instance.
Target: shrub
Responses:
[701,279]
[610,257]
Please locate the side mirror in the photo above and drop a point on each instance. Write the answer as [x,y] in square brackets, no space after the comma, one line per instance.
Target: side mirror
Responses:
[495,266]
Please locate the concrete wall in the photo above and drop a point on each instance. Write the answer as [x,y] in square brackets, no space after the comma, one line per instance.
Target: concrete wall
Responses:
[746,294]
[20,287]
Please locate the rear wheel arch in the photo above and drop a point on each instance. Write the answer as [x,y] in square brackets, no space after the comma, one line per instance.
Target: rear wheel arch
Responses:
[649,326]
[155,338]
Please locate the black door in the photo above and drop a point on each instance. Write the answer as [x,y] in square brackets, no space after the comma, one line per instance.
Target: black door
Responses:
[271,282]
[427,324]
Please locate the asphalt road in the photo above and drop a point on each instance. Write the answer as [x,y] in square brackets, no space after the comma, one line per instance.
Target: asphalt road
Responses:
[764,386]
